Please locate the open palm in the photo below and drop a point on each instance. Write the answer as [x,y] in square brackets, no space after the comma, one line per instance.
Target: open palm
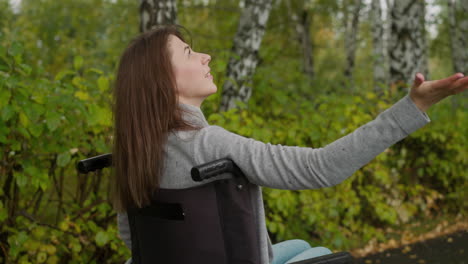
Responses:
[426,93]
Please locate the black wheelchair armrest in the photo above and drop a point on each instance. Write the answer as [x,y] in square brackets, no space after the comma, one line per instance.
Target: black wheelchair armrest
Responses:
[335,258]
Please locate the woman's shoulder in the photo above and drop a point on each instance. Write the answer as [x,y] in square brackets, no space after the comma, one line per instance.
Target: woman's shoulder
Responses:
[218,133]
[187,136]
[204,131]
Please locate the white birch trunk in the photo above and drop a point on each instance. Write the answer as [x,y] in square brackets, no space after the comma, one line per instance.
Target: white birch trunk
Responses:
[379,52]
[407,47]
[458,18]
[242,63]
[157,12]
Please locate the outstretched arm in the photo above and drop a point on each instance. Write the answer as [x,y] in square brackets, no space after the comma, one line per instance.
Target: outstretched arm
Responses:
[288,167]
[295,168]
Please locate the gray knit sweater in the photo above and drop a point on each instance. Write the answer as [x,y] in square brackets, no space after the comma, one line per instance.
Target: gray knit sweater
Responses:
[277,166]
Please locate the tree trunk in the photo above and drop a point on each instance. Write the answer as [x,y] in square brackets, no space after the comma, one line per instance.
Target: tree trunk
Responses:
[300,15]
[408,46]
[157,12]
[378,41]
[242,63]
[352,23]
[458,18]
[303,30]
[302,21]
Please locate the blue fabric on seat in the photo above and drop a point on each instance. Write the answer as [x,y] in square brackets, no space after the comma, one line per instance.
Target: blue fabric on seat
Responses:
[310,253]
[295,250]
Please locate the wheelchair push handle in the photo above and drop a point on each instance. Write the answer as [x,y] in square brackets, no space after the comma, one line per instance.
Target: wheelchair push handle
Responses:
[94,163]
[214,168]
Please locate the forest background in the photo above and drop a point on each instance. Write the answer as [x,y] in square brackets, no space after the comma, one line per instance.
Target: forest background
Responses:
[317,79]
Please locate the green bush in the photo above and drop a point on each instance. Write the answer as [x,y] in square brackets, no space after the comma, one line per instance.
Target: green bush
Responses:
[47,211]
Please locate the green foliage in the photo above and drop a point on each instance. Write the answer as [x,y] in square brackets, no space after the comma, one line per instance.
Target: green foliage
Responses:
[57,61]
[47,125]
[55,32]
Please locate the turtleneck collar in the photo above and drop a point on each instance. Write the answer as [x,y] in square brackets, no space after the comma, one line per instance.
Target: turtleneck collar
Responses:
[194,115]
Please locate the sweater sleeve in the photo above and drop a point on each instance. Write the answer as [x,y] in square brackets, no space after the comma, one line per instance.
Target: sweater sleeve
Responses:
[295,168]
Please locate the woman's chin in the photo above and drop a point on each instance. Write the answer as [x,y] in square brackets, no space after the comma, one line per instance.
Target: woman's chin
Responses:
[215,88]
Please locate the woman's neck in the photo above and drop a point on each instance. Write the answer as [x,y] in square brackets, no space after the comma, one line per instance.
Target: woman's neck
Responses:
[191,101]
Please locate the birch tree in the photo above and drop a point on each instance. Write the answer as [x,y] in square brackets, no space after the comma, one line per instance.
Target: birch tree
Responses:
[458,19]
[407,46]
[379,52]
[352,22]
[157,12]
[243,61]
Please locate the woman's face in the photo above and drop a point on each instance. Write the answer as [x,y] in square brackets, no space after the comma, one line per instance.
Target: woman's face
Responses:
[193,79]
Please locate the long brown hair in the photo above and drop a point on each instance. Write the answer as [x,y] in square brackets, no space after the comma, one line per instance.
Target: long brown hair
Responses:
[145,110]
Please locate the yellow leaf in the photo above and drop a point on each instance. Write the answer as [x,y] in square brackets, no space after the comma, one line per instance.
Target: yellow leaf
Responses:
[5,96]
[82,95]
[24,120]
[406,249]
[103,83]
[370,96]
[77,81]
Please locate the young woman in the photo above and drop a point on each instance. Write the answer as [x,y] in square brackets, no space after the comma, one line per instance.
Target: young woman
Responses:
[161,133]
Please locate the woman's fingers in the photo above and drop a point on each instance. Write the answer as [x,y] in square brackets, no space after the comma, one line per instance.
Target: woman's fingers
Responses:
[450,85]
[460,85]
[452,79]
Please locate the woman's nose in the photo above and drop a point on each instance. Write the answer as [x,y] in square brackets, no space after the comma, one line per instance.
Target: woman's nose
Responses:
[206,58]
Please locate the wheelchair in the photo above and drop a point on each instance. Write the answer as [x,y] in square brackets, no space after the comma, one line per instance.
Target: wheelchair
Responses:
[210,224]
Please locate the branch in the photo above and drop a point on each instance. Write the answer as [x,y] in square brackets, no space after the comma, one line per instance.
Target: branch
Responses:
[31,218]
